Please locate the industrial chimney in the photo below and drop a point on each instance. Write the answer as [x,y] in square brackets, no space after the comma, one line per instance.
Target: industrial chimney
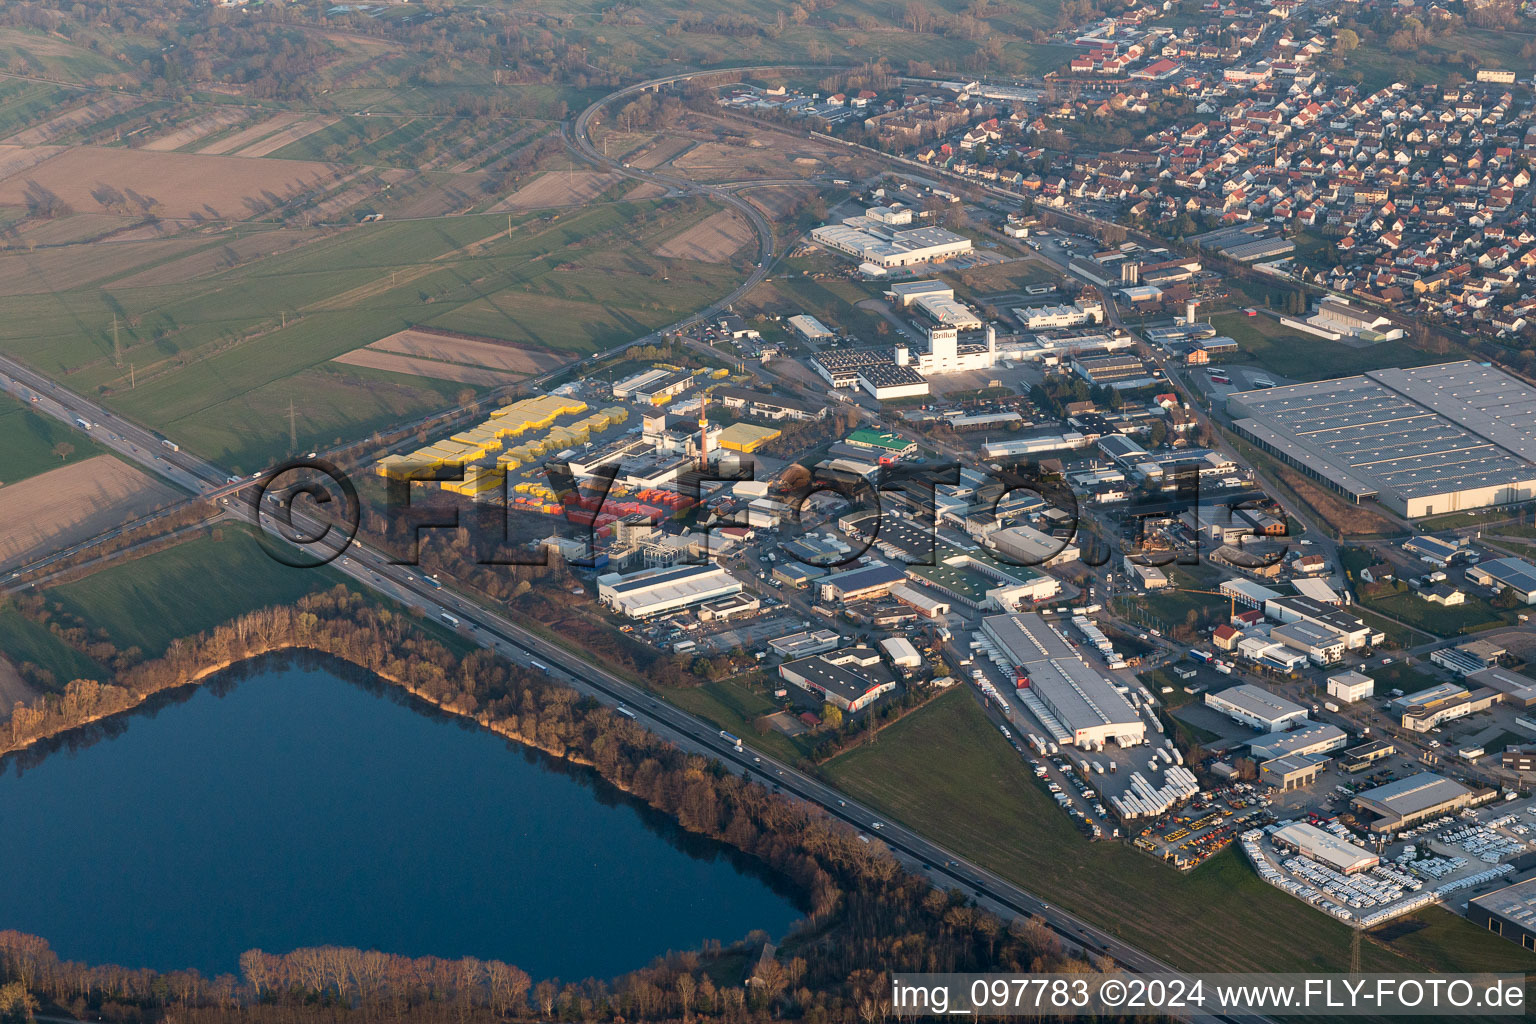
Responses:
[1189,311]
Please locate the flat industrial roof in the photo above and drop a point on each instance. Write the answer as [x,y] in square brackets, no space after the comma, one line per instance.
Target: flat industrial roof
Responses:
[1414,794]
[1515,572]
[1257,701]
[847,679]
[1280,744]
[1071,688]
[663,577]
[1415,432]
[1516,903]
[865,578]
[1325,846]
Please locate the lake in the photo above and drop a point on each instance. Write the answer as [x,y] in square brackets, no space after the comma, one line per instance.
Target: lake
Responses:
[296,802]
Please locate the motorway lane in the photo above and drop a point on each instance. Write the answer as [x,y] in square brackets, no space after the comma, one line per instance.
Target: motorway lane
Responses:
[110,431]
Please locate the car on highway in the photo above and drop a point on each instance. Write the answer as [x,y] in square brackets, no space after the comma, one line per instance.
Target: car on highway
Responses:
[877,824]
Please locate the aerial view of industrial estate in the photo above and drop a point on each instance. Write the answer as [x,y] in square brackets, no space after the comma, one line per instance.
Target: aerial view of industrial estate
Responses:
[693,511]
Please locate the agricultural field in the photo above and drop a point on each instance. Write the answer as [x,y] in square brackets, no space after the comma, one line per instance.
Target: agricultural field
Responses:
[149,601]
[34,443]
[946,771]
[66,505]
[713,240]
[558,188]
[176,186]
[451,348]
[222,330]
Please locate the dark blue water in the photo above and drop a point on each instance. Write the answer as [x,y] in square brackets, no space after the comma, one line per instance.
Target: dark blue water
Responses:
[292,804]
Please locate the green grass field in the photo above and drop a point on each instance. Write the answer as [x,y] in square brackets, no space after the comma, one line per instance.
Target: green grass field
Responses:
[22,640]
[1476,614]
[1280,349]
[948,773]
[30,438]
[734,708]
[147,602]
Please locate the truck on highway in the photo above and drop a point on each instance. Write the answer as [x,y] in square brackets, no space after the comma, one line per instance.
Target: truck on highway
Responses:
[82,423]
[452,620]
[172,445]
[431,581]
[733,740]
[625,711]
[538,665]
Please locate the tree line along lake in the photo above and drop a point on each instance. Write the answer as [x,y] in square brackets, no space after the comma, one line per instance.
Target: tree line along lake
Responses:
[295,801]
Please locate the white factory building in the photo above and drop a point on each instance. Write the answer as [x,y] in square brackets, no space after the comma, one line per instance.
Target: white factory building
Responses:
[1256,707]
[1084,706]
[1338,853]
[1350,686]
[1422,441]
[936,300]
[651,592]
[883,237]
[1313,738]
[1056,316]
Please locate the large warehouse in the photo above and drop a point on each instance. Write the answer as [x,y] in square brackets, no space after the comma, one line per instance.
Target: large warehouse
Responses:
[880,240]
[1257,707]
[650,592]
[1342,855]
[1080,699]
[1510,912]
[1421,441]
[1406,802]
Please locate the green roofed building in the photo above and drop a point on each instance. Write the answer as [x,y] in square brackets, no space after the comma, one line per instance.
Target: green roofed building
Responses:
[885,443]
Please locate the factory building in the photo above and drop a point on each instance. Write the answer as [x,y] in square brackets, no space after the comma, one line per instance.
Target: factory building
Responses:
[652,592]
[1323,645]
[809,328]
[1082,703]
[1406,802]
[859,584]
[1248,593]
[1313,738]
[1055,316]
[1421,441]
[1432,708]
[885,242]
[1510,912]
[901,652]
[766,405]
[656,386]
[982,583]
[1355,633]
[1292,771]
[935,300]
[1514,574]
[1518,690]
[851,679]
[744,437]
[1027,546]
[1350,686]
[1256,707]
[1124,369]
[1358,758]
[1336,852]
[805,644]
